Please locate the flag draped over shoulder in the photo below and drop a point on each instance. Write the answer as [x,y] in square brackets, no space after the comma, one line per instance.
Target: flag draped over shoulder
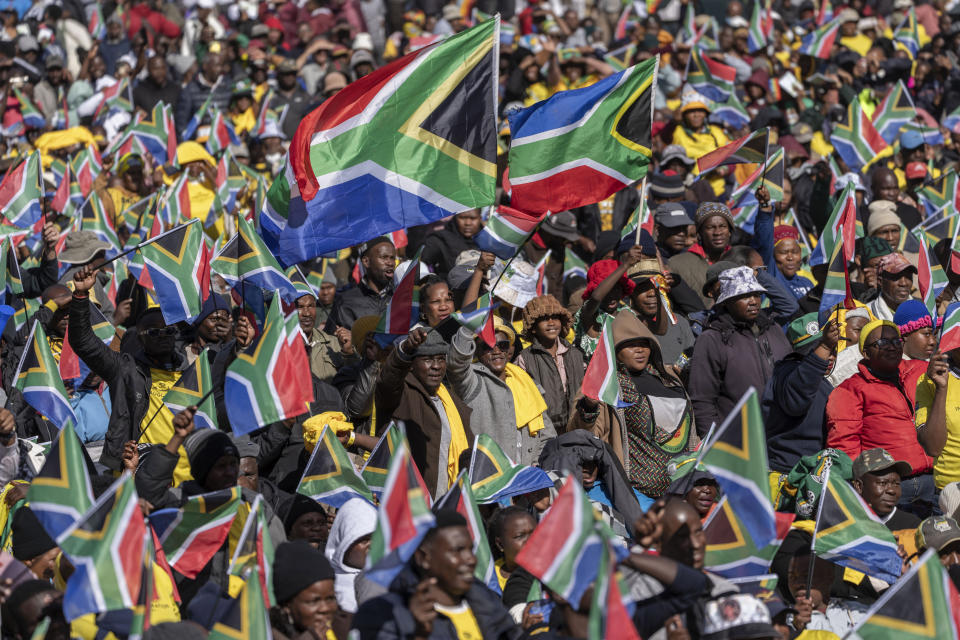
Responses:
[410,143]
[494,476]
[579,147]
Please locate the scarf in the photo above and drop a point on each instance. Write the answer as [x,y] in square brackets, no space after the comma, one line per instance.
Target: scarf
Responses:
[458,437]
[528,402]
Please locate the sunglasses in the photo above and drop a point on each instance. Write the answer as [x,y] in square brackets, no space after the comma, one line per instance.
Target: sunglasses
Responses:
[160,332]
[502,345]
[884,343]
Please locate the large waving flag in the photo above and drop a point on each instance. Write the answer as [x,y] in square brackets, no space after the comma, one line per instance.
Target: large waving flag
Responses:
[493,475]
[567,547]
[856,139]
[737,457]
[265,384]
[922,605]
[709,77]
[255,550]
[600,380]
[461,499]
[38,378]
[192,534]
[20,192]
[731,552]
[175,262]
[895,111]
[819,42]
[751,148]
[403,310]
[579,147]
[403,519]
[105,547]
[61,492]
[849,534]
[245,259]
[194,385]
[377,466]
[506,231]
[330,476]
[413,142]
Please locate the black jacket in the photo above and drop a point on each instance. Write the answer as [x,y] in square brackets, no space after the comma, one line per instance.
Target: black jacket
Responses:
[794,406]
[358,302]
[127,375]
[193,95]
[388,617]
[441,248]
[148,93]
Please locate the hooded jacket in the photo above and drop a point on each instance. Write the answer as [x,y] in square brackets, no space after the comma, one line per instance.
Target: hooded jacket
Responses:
[355,519]
[608,423]
[441,248]
[729,358]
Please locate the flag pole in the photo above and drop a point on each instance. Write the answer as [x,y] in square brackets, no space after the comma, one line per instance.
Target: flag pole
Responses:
[816,525]
[160,408]
[643,201]
[766,154]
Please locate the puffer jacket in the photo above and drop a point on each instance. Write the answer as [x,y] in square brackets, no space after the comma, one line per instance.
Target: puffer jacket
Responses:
[866,412]
[728,359]
[389,618]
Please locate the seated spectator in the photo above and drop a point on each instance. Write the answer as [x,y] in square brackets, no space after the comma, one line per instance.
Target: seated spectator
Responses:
[875,409]
[916,329]
[714,229]
[896,284]
[877,477]
[303,585]
[347,547]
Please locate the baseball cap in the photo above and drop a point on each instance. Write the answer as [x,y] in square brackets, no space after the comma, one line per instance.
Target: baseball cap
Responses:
[894,263]
[873,460]
[911,139]
[287,65]
[804,330]
[802,132]
[671,214]
[936,532]
[53,61]
[849,15]
[916,170]
[675,152]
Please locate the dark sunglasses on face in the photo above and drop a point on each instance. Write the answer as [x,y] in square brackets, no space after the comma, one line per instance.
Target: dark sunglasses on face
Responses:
[502,345]
[160,332]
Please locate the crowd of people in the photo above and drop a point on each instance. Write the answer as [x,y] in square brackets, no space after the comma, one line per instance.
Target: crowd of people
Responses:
[698,304]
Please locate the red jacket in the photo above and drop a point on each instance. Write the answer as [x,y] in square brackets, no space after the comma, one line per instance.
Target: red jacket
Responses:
[865,412]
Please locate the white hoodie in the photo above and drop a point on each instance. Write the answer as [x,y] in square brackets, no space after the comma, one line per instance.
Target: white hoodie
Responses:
[355,519]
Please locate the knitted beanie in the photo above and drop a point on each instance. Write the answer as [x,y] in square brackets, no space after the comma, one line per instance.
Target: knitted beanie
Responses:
[30,539]
[204,447]
[296,566]
[912,315]
[709,209]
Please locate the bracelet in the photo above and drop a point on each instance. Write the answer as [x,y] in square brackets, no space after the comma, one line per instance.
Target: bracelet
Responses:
[82,296]
[352,438]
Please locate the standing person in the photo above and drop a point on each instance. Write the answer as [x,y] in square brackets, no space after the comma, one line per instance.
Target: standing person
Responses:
[502,397]
[607,283]
[289,95]
[698,137]
[441,248]
[347,546]
[670,227]
[509,531]
[370,297]
[648,302]
[937,427]
[210,82]
[328,353]
[714,229]
[657,424]
[788,258]
[410,388]
[553,363]
[874,408]
[877,477]
[736,351]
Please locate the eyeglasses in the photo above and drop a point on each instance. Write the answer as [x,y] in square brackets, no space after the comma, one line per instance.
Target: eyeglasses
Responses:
[884,343]
[159,332]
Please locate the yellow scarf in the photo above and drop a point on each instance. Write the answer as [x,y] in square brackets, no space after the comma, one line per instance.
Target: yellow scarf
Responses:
[458,437]
[528,403]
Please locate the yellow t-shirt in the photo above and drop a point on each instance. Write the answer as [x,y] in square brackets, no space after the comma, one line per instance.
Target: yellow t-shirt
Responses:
[699,143]
[121,199]
[463,620]
[946,467]
[201,199]
[858,43]
[161,429]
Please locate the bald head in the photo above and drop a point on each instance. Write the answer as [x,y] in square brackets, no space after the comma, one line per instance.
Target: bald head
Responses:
[884,185]
[682,539]
[56,292]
